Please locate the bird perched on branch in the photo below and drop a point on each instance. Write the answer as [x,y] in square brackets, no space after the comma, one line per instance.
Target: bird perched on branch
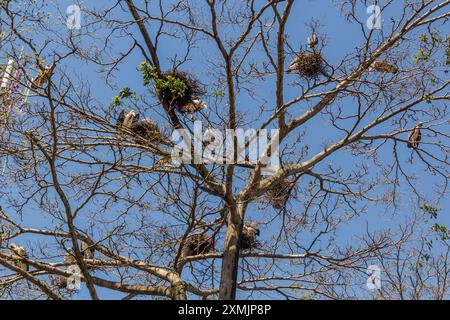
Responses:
[383,66]
[313,41]
[19,254]
[61,281]
[87,250]
[249,233]
[43,77]
[415,137]
[121,118]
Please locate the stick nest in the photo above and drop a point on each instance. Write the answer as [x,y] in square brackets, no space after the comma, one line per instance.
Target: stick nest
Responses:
[278,194]
[178,89]
[309,64]
[196,244]
[146,130]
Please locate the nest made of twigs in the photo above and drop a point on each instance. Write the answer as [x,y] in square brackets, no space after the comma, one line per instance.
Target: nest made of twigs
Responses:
[182,102]
[146,130]
[278,194]
[196,244]
[308,64]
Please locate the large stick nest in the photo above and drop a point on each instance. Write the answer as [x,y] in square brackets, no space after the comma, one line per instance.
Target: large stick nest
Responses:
[308,64]
[182,101]
[146,130]
[278,194]
[196,244]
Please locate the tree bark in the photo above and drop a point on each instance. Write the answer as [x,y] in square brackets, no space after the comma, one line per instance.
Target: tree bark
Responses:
[179,291]
[230,260]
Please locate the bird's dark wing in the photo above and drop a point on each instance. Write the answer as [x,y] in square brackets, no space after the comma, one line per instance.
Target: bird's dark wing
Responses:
[138,127]
[136,118]
[411,139]
[419,135]
[121,117]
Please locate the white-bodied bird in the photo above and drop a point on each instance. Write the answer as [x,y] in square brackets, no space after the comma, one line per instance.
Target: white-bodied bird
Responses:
[19,253]
[313,41]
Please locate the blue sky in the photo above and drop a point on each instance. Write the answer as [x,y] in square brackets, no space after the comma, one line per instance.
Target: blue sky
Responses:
[342,37]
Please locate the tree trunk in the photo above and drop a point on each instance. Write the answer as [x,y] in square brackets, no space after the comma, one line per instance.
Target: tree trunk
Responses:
[179,291]
[230,260]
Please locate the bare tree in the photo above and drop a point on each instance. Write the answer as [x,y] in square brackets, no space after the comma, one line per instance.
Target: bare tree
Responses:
[83,187]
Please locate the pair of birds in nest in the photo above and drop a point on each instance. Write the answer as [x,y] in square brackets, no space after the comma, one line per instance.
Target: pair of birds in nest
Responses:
[87,251]
[200,243]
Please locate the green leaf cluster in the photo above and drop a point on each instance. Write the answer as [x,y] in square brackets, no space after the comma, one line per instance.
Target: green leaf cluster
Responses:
[176,86]
[432,211]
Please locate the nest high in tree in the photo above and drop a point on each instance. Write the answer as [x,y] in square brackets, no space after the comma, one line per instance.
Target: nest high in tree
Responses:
[196,244]
[308,64]
[279,193]
[176,89]
[179,89]
[248,237]
[145,130]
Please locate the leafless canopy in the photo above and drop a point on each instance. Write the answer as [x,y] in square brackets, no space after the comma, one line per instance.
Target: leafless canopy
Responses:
[77,191]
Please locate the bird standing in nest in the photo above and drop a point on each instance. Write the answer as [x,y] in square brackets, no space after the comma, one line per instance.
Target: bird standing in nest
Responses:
[61,281]
[126,120]
[415,137]
[193,106]
[145,129]
[308,64]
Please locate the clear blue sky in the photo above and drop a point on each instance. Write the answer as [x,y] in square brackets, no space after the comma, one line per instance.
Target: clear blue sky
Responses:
[342,38]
